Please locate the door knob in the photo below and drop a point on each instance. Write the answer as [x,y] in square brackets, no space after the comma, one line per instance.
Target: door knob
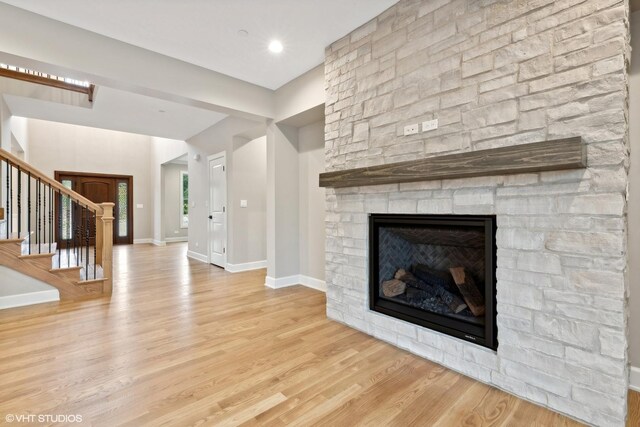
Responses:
[210,216]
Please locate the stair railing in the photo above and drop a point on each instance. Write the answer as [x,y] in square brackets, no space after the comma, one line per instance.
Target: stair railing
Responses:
[49,217]
[32,76]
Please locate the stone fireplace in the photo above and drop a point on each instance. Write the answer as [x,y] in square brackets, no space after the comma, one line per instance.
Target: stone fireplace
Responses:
[495,74]
[435,271]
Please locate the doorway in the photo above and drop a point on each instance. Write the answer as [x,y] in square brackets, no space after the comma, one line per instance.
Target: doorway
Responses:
[218,210]
[102,188]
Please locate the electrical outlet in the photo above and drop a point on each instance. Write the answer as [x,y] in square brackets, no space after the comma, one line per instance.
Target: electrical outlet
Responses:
[411,129]
[243,203]
[429,125]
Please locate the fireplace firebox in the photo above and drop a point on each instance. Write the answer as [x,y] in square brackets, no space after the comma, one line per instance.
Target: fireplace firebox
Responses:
[436,271]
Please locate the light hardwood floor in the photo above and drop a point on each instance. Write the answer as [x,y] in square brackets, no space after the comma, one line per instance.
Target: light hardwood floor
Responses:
[183,343]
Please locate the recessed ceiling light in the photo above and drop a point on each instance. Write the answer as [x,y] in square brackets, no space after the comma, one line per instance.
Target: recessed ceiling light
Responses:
[161,111]
[275,46]
[243,33]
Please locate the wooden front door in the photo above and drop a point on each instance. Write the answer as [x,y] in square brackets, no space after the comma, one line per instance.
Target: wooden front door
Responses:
[101,188]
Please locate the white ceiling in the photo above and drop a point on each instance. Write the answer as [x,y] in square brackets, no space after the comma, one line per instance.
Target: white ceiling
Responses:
[205,32]
[182,160]
[122,111]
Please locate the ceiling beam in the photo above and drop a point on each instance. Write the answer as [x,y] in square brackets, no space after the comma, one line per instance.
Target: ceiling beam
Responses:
[42,44]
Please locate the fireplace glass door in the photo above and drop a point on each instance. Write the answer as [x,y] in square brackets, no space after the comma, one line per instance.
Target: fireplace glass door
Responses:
[436,271]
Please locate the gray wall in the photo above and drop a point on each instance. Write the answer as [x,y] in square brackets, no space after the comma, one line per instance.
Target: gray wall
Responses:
[172,189]
[223,136]
[249,182]
[283,255]
[162,151]
[634,193]
[312,200]
[64,147]
[5,143]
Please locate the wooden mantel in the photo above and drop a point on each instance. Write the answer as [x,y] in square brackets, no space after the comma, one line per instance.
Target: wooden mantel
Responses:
[560,154]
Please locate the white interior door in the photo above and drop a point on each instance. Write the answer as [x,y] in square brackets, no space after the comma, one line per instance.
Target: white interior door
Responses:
[218,210]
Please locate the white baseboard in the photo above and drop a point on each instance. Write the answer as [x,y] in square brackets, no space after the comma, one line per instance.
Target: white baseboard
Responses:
[31,298]
[197,256]
[142,241]
[634,379]
[296,279]
[247,266]
[157,242]
[313,283]
[281,282]
[176,239]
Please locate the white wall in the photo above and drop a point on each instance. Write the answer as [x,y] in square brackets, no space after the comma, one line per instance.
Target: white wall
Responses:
[634,193]
[312,200]
[64,147]
[5,125]
[172,201]
[20,136]
[249,182]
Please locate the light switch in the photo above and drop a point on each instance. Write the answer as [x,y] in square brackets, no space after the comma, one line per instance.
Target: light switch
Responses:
[243,203]
[140,206]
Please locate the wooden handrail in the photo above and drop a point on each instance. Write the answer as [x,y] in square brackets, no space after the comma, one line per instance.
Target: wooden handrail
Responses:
[33,78]
[35,173]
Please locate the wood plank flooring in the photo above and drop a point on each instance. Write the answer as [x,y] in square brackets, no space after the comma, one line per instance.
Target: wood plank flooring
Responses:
[183,343]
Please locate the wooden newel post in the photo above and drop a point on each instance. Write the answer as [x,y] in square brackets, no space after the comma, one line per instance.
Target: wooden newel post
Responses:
[104,244]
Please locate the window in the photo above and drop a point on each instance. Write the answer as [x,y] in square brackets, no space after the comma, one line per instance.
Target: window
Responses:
[66,232]
[184,199]
[122,210]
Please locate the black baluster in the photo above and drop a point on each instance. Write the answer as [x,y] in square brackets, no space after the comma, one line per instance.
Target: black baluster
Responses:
[10,211]
[73,230]
[29,211]
[44,215]
[69,228]
[38,216]
[60,233]
[19,201]
[78,235]
[6,212]
[80,228]
[95,246]
[87,223]
[50,217]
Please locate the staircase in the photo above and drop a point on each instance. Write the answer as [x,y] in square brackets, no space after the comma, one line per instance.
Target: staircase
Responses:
[53,234]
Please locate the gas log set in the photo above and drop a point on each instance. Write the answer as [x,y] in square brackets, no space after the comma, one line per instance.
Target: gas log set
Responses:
[452,293]
[441,292]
